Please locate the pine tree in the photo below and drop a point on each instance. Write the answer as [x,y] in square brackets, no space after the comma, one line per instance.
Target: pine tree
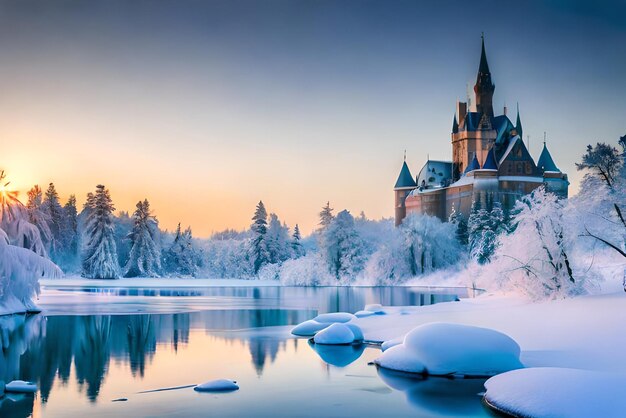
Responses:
[460,224]
[277,241]
[69,236]
[145,254]
[342,247]
[484,228]
[37,216]
[182,258]
[296,245]
[258,247]
[99,258]
[326,216]
[54,214]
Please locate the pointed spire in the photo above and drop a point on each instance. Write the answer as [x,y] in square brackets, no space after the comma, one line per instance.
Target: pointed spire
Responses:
[474,165]
[490,161]
[405,179]
[518,123]
[484,66]
[455,125]
[546,163]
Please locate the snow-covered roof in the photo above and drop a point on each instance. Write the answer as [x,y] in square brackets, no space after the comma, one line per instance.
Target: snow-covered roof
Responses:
[546,163]
[434,174]
[512,143]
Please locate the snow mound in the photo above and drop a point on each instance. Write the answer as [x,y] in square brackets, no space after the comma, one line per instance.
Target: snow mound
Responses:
[337,334]
[446,349]
[218,385]
[358,334]
[20,386]
[386,345]
[363,314]
[551,392]
[341,317]
[375,308]
[309,328]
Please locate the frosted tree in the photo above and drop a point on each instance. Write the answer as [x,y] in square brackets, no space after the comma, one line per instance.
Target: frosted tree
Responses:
[15,220]
[326,216]
[123,223]
[277,241]
[460,223]
[602,197]
[342,247]
[145,254]
[421,245]
[70,232]
[534,258]
[484,227]
[37,216]
[259,254]
[53,210]
[296,244]
[99,255]
[182,258]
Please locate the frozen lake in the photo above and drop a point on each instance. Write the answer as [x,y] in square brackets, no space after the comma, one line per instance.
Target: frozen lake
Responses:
[93,351]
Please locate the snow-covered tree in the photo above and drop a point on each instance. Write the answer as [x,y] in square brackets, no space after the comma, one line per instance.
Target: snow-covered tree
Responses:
[296,244]
[145,254]
[123,224]
[70,233]
[277,241]
[37,216]
[15,220]
[259,254]
[99,255]
[51,207]
[602,198]
[326,216]
[484,226]
[182,258]
[342,247]
[460,223]
[534,258]
[421,245]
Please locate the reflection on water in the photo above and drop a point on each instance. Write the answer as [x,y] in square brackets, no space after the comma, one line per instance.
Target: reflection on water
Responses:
[82,362]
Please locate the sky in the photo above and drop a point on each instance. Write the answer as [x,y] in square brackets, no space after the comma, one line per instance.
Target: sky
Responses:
[206,107]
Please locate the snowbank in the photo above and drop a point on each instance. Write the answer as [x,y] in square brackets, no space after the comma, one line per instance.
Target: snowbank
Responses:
[312,326]
[334,317]
[339,333]
[550,392]
[446,349]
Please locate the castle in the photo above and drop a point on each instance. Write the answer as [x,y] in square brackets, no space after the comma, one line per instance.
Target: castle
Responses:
[490,163]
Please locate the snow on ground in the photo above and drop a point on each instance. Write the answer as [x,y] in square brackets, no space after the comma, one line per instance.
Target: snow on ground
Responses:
[218,385]
[552,392]
[583,332]
[440,349]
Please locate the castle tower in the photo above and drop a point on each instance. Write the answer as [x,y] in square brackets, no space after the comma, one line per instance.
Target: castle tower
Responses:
[403,187]
[484,87]
[473,135]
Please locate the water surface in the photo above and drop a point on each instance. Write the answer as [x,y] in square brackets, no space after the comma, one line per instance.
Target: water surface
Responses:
[93,351]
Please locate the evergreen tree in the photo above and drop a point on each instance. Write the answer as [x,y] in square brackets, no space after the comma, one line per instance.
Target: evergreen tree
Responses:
[37,216]
[277,241]
[54,214]
[484,227]
[99,258]
[259,253]
[69,236]
[342,247]
[460,224]
[326,216]
[145,254]
[296,245]
[182,258]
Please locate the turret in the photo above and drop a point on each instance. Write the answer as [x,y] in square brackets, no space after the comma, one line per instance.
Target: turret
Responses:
[546,163]
[403,187]
[484,87]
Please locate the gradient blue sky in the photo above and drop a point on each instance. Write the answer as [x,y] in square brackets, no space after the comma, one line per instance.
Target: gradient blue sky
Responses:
[205,107]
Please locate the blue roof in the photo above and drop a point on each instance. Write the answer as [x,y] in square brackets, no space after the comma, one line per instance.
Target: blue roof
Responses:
[472,120]
[473,165]
[490,162]
[546,163]
[503,126]
[405,179]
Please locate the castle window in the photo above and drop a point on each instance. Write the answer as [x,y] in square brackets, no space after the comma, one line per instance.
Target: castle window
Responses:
[520,167]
